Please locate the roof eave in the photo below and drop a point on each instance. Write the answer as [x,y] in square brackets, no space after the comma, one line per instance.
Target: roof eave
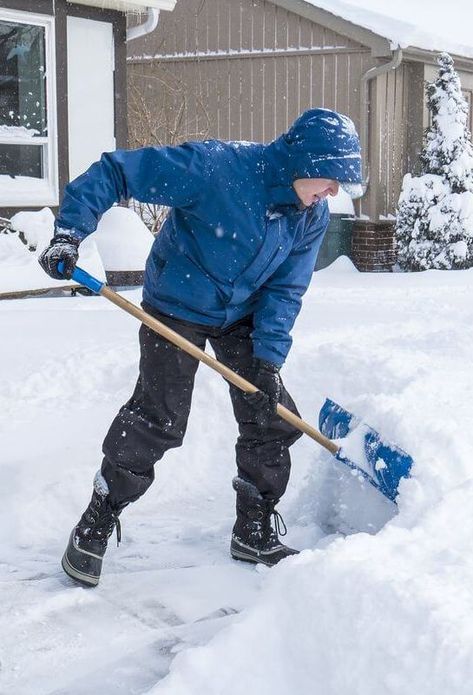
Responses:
[127,5]
[423,55]
[379,45]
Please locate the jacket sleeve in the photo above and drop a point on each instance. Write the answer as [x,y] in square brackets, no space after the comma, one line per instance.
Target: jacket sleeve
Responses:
[280,298]
[173,176]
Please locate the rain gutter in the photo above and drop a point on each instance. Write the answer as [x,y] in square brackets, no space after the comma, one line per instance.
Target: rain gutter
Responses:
[146,27]
[365,110]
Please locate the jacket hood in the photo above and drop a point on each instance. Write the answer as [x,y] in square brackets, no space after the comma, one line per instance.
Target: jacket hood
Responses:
[319,144]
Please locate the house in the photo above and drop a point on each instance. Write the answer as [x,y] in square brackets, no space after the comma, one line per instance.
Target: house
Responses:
[244,69]
[62,92]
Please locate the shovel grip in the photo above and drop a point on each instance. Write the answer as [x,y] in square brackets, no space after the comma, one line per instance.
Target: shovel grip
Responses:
[83,278]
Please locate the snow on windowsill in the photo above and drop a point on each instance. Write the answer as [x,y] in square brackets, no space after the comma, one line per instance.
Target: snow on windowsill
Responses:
[26,191]
[10,132]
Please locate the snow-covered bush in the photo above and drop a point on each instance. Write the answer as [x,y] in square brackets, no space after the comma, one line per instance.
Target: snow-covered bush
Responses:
[434,226]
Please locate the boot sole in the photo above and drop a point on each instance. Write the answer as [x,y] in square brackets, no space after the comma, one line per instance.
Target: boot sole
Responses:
[239,555]
[79,577]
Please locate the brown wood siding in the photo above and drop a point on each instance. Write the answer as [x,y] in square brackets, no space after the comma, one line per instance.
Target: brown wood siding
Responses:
[37,6]
[209,26]
[249,67]
[252,99]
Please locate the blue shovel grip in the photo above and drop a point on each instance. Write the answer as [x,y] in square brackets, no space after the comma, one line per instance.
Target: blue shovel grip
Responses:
[83,278]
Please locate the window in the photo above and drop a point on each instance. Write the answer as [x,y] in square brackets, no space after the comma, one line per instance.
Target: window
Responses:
[28,166]
[467,93]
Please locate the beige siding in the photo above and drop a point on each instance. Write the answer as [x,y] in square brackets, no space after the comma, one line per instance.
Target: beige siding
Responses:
[244,69]
[466,79]
[288,64]
[390,142]
[213,25]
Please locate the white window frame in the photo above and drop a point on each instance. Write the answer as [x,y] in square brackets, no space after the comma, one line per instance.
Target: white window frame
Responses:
[26,190]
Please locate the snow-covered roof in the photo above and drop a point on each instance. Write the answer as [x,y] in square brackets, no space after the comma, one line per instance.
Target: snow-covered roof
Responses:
[126,5]
[432,25]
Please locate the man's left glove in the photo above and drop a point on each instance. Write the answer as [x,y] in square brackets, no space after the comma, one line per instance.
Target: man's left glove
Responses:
[266,378]
[63,247]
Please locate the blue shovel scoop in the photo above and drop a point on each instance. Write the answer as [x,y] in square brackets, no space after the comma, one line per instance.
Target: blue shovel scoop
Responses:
[358,446]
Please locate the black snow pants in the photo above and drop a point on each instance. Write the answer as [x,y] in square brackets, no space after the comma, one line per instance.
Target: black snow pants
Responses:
[155,418]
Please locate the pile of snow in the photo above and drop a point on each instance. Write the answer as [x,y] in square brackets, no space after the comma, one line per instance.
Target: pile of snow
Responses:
[342,264]
[19,251]
[385,609]
[425,23]
[341,204]
[123,240]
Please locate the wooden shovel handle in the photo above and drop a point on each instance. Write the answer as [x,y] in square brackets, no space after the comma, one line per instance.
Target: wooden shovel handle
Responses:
[217,366]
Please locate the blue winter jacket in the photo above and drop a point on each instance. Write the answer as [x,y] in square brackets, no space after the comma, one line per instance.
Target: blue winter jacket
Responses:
[235,241]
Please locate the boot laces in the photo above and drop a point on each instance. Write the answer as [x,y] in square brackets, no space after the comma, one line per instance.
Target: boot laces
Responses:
[103,519]
[118,527]
[279,525]
[112,518]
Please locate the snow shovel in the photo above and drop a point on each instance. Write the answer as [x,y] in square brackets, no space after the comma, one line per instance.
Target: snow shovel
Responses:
[359,446]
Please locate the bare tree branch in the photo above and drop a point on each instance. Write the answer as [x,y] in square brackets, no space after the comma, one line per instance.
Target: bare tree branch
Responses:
[160,113]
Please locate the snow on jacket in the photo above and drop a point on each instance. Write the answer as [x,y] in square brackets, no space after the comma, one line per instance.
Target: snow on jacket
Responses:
[235,241]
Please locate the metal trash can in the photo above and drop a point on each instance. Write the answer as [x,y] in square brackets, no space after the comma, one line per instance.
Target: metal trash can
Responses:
[337,241]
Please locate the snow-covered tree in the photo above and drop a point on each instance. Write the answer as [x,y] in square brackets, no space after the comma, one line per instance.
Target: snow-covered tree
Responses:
[434,226]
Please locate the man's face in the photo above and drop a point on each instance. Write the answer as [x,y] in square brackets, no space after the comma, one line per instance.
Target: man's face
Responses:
[310,191]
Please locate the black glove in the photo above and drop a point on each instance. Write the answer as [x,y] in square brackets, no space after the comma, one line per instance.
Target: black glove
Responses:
[62,247]
[266,378]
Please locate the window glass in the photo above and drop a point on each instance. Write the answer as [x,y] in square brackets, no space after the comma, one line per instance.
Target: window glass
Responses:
[22,80]
[21,160]
[468,97]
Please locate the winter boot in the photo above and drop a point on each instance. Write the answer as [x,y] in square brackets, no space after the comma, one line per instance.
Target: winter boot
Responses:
[253,537]
[82,560]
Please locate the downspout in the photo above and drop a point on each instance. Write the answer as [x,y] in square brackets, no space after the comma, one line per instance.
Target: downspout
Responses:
[147,27]
[365,110]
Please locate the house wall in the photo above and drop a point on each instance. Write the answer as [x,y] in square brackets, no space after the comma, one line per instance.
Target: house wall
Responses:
[395,127]
[239,69]
[401,119]
[466,79]
[61,9]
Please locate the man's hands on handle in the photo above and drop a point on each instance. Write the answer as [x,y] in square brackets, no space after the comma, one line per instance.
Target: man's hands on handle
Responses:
[266,378]
[63,247]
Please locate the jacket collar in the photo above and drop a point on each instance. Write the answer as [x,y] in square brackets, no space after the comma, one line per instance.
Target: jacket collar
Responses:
[277,178]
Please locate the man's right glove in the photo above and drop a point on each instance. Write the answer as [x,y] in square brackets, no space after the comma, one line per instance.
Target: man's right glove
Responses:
[264,402]
[62,247]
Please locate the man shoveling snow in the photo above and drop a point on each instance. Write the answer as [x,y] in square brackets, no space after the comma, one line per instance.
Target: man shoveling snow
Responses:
[230,265]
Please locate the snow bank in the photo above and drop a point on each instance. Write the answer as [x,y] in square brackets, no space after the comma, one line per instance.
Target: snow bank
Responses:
[341,204]
[368,614]
[342,264]
[19,267]
[123,240]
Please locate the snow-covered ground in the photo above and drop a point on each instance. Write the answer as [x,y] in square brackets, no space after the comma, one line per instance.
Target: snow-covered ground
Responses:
[367,614]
